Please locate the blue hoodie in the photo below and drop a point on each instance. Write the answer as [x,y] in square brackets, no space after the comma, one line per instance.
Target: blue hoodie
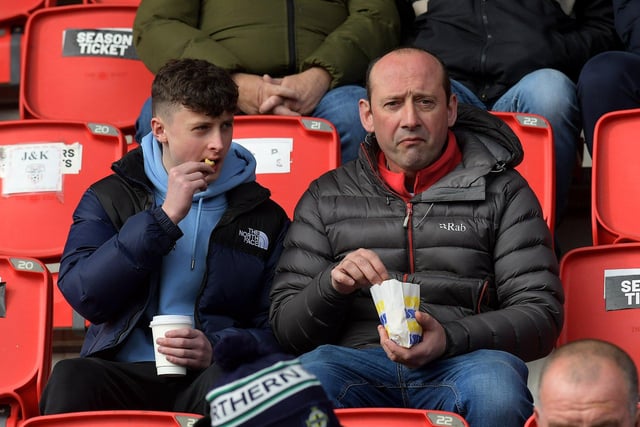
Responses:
[183,269]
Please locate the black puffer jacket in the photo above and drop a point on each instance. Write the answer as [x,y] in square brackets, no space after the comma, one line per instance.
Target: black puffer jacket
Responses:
[475,242]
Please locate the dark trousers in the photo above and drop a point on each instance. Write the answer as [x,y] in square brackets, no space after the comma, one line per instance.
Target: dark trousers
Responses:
[608,82]
[90,384]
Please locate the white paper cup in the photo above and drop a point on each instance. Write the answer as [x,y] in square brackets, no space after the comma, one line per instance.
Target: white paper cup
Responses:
[159,326]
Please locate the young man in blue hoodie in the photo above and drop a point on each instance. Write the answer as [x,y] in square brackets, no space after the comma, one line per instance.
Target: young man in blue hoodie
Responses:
[181,227]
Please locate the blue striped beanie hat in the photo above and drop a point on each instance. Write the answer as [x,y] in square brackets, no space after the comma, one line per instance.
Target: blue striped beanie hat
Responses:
[280,394]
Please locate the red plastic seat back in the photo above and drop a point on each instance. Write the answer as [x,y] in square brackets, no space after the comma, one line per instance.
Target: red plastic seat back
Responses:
[25,328]
[615,189]
[602,295]
[398,417]
[290,152]
[37,214]
[18,10]
[13,15]
[531,422]
[538,166]
[10,47]
[79,64]
[115,418]
[36,223]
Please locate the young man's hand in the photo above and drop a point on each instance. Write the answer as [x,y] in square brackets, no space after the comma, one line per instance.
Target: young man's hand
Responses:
[185,180]
[186,347]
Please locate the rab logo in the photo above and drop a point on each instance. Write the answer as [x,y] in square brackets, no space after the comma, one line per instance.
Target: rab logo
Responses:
[255,238]
[450,226]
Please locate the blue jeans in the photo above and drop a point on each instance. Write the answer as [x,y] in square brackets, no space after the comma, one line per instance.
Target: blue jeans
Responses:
[552,95]
[339,106]
[608,82]
[486,387]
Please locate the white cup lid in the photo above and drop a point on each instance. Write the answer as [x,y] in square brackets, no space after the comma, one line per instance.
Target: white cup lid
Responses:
[168,319]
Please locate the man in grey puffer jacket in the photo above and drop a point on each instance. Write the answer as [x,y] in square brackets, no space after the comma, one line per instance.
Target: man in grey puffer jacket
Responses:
[434,204]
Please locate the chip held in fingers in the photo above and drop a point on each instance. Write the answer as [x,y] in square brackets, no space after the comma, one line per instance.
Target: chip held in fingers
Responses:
[210,162]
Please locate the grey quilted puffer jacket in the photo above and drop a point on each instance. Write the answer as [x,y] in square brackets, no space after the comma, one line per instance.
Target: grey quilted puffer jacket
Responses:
[475,241]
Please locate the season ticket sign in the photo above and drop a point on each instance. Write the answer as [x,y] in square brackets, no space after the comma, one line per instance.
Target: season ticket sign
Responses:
[622,288]
[117,42]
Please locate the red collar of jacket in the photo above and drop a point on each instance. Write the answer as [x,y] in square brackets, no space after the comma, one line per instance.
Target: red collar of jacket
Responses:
[426,177]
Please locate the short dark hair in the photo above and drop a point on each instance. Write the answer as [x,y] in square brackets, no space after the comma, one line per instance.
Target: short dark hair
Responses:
[196,84]
[446,80]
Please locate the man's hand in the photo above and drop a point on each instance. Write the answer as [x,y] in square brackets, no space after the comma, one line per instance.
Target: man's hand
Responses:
[254,90]
[186,347]
[309,87]
[359,269]
[185,180]
[432,346]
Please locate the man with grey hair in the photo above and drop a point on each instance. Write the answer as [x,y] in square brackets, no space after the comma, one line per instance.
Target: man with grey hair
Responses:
[588,383]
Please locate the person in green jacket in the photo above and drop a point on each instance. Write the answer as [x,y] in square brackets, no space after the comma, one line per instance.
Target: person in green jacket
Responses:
[295,57]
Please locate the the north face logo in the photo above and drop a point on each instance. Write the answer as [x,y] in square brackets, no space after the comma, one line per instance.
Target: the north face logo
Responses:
[255,238]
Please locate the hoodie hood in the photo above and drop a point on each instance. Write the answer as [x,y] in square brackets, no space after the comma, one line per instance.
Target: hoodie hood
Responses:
[475,124]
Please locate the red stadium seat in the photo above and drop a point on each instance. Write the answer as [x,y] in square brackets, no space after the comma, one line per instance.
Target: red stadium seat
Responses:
[114,418]
[290,152]
[538,165]
[13,15]
[10,49]
[397,417]
[79,64]
[615,187]
[25,328]
[18,10]
[48,166]
[602,295]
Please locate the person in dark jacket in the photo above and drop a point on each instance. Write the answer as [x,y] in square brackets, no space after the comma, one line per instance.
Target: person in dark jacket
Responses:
[182,228]
[610,81]
[521,56]
[440,207]
[295,57]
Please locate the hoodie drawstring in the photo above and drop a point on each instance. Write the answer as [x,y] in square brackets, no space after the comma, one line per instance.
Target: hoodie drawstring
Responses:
[195,234]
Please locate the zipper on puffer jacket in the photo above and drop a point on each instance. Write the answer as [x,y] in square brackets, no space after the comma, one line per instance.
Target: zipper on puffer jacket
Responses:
[408,220]
[406,225]
[483,291]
